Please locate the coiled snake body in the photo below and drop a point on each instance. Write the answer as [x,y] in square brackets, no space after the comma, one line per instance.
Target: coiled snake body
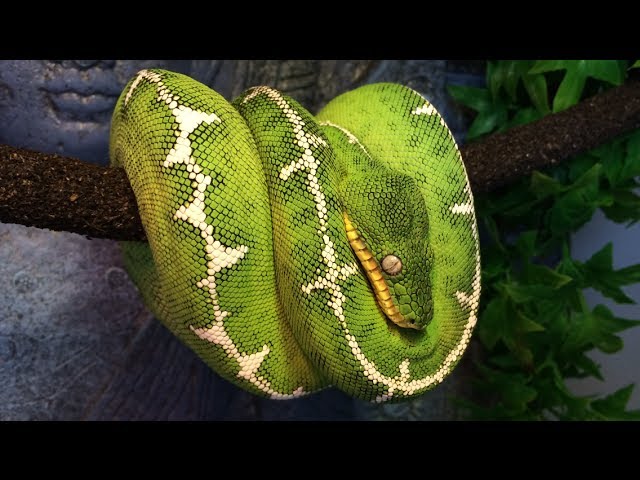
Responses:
[293,252]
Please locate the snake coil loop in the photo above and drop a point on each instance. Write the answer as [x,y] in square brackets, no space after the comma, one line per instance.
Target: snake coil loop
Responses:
[293,252]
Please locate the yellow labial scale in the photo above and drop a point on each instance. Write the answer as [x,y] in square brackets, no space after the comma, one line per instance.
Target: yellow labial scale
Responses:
[352,235]
[358,245]
[376,276]
[374,273]
[384,295]
[369,264]
[386,304]
[364,256]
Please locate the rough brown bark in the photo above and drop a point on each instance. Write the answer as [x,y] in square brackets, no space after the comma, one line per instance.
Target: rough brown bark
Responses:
[504,157]
[66,194]
[61,193]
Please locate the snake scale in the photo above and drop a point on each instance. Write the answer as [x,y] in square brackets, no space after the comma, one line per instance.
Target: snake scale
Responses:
[293,252]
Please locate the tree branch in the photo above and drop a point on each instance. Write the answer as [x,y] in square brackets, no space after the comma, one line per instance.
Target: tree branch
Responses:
[61,193]
[504,157]
[66,194]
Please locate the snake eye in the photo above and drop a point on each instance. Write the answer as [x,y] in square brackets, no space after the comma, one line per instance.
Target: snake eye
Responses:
[391,264]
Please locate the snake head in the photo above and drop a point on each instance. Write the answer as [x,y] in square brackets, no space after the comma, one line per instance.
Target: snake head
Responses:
[387,227]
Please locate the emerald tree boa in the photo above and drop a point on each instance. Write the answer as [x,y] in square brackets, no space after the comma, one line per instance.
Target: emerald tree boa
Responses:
[292,252]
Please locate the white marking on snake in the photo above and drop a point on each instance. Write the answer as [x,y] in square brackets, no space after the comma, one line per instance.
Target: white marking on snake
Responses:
[402,382]
[466,208]
[399,382]
[429,109]
[468,302]
[426,109]
[218,256]
[352,138]
[463,208]
[308,162]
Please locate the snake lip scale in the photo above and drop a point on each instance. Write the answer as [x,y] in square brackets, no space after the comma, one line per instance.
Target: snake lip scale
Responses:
[292,252]
[373,272]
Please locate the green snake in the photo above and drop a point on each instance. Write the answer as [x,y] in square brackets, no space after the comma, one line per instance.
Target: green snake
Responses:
[294,252]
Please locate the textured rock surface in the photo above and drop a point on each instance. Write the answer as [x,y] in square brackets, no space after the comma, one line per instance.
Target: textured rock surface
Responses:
[75,340]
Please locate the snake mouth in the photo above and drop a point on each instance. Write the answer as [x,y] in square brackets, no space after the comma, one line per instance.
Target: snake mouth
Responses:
[374,275]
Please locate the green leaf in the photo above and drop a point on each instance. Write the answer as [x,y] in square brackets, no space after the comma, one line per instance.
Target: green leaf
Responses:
[517,211]
[472,409]
[475,98]
[553,392]
[612,157]
[605,70]
[494,265]
[543,186]
[589,179]
[536,86]
[569,91]
[627,275]
[527,293]
[580,165]
[517,70]
[525,324]
[596,329]
[568,267]
[542,66]
[625,198]
[598,273]
[622,214]
[513,199]
[577,72]
[487,121]
[631,162]
[570,212]
[506,74]
[526,243]
[614,406]
[612,323]
[522,116]
[576,207]
[514,392]
[588,366]
[543,275]
[609,344]
[624,207]
[604,199]
[504,361]
[602,260]
[494,322]
[633,145]
[494,234]
[497,73]
[495,77]
[517,395]
[491,115]
[500,321]
[636,64]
